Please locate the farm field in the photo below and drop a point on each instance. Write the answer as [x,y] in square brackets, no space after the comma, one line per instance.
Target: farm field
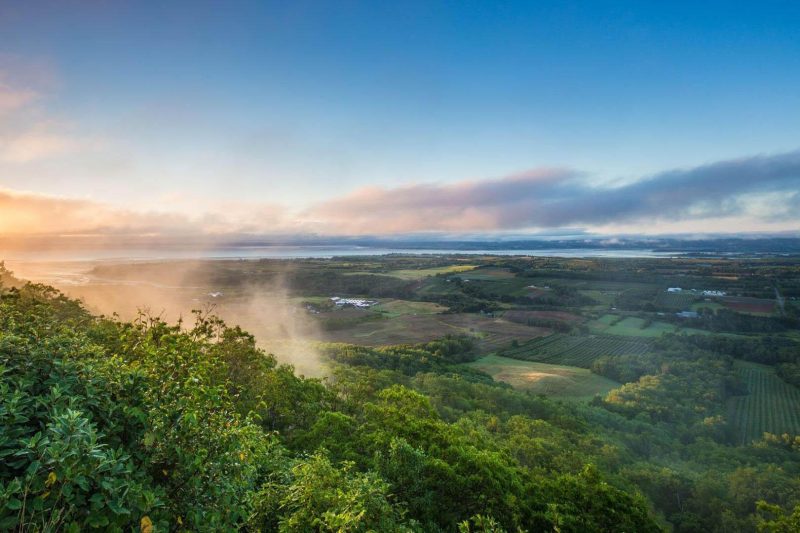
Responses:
[395,308]
[502,287]
[751,306]
[412,274]
[604,299]
[522,316]
[487,274]
[499,281]
[490,333]
[675,301]
[629,327]
[576,350]
[632,327]
[565,382]
[772,406]
[436,286]
[589,285]
[707,304]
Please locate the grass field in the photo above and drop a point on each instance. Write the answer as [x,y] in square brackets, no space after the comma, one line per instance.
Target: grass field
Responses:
[500,281]
[607,320]
[772,405]
[396,308]
[501,286]
[565,382]
[707,304]
[629,327]
[589,285]
[421,273]
[490,333]
[488,274]
[604,299]
[576,350]
[436,285]
[522,316]
[675,301]
[632,327]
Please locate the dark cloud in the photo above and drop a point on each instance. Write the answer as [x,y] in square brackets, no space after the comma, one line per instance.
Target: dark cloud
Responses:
[554,198]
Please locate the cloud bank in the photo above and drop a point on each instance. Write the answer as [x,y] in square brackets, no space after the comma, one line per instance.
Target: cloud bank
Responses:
[748,194]
[553,198]
[24,213]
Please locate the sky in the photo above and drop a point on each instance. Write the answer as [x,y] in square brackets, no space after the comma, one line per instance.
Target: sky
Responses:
[386,118]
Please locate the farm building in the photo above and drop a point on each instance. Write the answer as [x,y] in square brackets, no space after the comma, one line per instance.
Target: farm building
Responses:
[355,302]
[714,293]
[674,289]
[687,314]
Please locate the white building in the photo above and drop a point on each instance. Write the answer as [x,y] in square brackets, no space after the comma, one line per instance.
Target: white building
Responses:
[355,302]
[714,293]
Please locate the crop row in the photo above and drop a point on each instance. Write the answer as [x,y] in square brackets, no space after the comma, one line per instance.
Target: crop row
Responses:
[772,405]
[576,350]
[673,300]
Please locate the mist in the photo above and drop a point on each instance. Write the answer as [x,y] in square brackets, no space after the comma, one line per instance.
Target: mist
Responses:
[171,290]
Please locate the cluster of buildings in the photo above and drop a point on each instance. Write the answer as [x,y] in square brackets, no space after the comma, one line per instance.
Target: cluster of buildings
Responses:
[694,314]
[355,302]
[704,293]
[714,293]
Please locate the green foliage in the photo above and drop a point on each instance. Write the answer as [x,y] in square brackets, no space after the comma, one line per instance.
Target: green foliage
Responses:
[789,372]
[577,350]
[315,495]
[7,279]
[773,519]
[114,425]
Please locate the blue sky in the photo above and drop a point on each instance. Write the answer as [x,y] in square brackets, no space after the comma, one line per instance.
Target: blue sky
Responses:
[276,111]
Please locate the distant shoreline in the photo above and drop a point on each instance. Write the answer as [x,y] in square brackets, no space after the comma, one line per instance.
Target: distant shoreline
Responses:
[308,252]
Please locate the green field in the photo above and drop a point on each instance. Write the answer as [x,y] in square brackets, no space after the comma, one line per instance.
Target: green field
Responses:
[576,350]
[632,327]
[589,285]
[629,327]
[396,308]
[565,382]
[425,272]
[607,320]
[675,301]
[604,299]
[772,406]
[487,274]
[436,286]
[707,305]
[499,281]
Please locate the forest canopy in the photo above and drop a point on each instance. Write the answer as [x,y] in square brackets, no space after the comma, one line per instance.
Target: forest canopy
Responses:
[120,425]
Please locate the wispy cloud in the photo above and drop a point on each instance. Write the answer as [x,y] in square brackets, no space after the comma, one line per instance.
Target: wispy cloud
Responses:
[42,141]
[558,198]
[27,132]
[12,98]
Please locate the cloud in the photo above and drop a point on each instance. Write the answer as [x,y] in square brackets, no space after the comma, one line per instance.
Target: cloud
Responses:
[27,132]
[553,198]
[12,99]
[760,193]
[26,214]
[23,213]
[39,143]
